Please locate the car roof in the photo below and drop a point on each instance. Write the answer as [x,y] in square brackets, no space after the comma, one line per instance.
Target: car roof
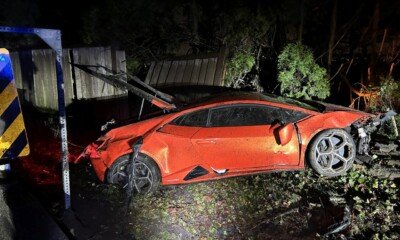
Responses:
[251,96]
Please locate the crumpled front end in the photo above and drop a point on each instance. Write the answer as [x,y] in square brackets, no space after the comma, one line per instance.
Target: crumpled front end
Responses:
[364,128]
[116,143]
[97,156]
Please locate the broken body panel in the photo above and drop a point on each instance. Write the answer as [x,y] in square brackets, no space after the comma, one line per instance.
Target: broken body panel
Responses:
[187,154]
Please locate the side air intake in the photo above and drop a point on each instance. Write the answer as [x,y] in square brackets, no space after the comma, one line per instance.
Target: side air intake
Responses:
[196,172]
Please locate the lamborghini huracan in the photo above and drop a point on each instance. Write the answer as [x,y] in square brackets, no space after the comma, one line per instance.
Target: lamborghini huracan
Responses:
[233,134]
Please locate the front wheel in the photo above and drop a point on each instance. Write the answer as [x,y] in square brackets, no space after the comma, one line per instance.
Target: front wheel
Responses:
[332,152]
[147,175]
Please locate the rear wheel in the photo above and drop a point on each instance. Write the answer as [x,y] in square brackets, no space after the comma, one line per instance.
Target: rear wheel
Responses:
[332,152]
[147,175]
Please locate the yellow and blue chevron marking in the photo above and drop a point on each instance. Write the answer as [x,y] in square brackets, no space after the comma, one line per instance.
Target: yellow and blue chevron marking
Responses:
[13,138]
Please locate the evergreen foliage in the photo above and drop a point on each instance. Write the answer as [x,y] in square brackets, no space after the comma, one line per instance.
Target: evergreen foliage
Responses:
[299,75]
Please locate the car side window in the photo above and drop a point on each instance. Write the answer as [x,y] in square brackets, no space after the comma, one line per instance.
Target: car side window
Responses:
[241,116]
[252,115]
[194,119]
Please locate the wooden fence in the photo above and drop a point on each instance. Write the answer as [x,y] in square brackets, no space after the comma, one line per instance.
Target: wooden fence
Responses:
[203,69]
[35,75]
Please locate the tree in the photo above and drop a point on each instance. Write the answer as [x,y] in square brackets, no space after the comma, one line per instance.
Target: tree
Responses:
[299,75]
[246,33]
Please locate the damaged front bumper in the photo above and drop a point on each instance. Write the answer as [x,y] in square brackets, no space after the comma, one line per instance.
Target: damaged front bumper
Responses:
[93,150]
[364,128]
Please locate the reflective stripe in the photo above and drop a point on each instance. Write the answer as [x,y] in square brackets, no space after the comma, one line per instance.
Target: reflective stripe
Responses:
[11,135]
[6,97]
[16,147]
[13,139]
[10,114]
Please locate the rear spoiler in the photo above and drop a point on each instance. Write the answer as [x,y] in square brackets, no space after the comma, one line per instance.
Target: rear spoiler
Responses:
[119,80]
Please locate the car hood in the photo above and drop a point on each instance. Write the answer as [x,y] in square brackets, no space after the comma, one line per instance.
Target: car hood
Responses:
[135,129]
[328,107]
[332,108]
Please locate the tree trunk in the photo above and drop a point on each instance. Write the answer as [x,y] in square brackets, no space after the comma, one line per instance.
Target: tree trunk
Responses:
[332,36]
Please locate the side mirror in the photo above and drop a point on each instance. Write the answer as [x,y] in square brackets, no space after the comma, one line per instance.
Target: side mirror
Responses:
[284,134]
[275,126]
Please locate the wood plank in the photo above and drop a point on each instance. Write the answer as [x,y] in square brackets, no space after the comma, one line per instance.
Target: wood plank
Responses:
[212,64]
[106,60]
[44,77]
[179,72]
[51,78]
[156,73]
[150,73]
[78,78]
[83,60]
[172,73]
[188,72]
[203,72]
[194,79]
[80,75]
[220,68]
[121,66]
[38,88]
[92,83]
[67,74]
[162,79]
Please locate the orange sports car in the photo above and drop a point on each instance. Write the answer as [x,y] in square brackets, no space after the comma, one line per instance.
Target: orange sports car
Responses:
[233,134]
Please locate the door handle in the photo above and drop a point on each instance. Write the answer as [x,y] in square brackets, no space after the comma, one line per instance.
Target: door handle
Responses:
[206,141]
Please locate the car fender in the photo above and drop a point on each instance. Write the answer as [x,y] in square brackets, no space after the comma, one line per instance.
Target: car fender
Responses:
[339,119]
[311,126]
[157,150]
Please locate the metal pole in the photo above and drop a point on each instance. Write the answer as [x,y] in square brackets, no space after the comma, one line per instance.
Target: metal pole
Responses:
[53,38]
[63,129]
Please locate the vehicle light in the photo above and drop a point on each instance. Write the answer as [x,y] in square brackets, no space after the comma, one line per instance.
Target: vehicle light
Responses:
[361,132]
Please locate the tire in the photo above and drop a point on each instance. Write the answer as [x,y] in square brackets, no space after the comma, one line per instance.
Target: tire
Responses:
[146,169]
[332,152]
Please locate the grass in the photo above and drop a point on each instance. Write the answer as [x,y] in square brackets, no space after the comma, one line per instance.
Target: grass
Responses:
[287,205]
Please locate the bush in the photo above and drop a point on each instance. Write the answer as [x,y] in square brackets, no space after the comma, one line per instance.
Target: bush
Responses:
[237,67]
[389,93]
[299,75]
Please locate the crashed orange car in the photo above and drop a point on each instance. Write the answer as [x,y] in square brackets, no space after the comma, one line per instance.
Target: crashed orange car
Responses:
[233,134]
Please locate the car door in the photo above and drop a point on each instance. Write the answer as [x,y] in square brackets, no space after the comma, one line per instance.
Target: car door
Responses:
[176,139]
[239,138]
[236,137]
